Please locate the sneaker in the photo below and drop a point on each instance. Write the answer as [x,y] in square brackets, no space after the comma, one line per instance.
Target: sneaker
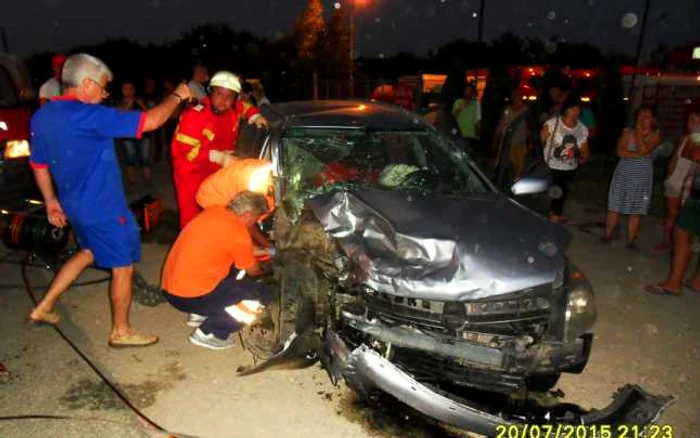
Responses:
[201,339]
[194,320]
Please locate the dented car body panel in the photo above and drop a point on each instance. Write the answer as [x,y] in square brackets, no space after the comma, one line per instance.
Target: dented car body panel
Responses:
[443,248]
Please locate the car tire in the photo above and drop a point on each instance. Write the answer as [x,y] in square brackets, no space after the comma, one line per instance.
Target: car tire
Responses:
[542,382]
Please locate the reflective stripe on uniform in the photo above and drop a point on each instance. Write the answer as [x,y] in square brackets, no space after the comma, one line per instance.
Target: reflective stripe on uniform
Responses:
[190,141]
[246,311]
[208,133]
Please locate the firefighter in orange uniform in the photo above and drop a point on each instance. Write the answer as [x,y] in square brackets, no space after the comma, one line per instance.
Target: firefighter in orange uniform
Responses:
[206,135]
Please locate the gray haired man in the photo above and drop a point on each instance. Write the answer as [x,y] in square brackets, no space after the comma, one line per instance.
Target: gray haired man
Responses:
[73,148]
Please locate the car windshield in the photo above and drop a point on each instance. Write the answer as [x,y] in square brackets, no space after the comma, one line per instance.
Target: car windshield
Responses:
[318,160]
[8,94]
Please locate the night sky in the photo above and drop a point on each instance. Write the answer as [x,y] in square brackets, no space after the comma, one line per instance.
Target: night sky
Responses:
[384,26]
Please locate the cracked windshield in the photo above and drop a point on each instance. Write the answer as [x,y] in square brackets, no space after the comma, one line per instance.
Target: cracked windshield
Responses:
[350,218]
[320,160]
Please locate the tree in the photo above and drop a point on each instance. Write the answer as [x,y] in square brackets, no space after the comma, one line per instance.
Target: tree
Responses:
[308,32]
[336,46]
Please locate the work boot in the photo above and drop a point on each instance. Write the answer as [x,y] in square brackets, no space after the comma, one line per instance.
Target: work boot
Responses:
[201,339]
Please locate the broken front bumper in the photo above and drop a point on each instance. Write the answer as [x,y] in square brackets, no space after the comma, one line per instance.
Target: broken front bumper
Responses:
[543,358]
[364,369]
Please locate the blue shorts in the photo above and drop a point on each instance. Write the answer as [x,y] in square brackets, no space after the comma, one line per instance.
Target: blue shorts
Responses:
[114,243]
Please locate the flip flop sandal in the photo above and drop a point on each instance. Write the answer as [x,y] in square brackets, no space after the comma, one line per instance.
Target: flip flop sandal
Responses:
[687,284]
[133,339]
[655,289]
[44,318]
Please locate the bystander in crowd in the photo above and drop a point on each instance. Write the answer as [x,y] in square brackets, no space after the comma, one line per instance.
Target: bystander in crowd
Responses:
[200,77]
[137,151]
[467,113]
[53,87]
[565,141]
[679,169]
[513,136]
[633,181]
[687,227]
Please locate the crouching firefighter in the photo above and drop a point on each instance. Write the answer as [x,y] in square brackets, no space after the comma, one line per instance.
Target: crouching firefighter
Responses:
[207,271]
[204,135]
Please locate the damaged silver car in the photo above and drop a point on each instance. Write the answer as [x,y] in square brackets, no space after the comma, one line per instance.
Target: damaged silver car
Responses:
[403,269]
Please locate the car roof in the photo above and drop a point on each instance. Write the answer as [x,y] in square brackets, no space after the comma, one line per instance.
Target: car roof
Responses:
[346,114]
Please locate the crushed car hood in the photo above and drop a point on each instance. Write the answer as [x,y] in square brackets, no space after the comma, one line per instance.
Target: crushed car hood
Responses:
[439,247]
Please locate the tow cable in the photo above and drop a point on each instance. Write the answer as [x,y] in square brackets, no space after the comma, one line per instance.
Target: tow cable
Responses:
[144,420]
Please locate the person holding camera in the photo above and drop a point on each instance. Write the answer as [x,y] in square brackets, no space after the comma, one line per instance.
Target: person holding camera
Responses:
[565,141]
[633,180]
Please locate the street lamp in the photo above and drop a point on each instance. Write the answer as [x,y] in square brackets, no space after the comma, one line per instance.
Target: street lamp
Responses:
[353,7]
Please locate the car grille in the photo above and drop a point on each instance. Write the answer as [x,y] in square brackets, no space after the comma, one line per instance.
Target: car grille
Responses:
[512,314]
[435,369]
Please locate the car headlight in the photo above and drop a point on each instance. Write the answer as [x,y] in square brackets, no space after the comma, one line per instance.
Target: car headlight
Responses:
[581,312]
[17,149]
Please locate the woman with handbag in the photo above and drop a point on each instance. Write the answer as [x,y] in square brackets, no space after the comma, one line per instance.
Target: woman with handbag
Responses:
[632,183]
[565,141]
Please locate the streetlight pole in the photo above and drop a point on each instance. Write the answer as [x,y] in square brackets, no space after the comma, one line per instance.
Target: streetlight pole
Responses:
[479,39]
[352,49]
[638,55]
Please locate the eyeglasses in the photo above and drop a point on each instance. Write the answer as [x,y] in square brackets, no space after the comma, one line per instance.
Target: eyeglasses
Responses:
[105,93]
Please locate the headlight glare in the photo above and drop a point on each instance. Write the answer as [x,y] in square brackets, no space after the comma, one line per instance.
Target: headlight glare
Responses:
[581,312]
[17,149]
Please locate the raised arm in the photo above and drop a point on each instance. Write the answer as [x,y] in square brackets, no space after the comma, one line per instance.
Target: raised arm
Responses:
[649,144]
[622,151]
[159,114]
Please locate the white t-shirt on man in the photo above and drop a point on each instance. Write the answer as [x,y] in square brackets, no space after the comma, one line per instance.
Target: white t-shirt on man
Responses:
[50,89]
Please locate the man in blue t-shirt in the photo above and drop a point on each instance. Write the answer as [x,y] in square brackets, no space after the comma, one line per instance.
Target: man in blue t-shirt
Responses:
[73,144]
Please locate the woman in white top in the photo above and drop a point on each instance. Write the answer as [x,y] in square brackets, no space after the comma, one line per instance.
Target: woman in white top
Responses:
[565,141]
[678,171]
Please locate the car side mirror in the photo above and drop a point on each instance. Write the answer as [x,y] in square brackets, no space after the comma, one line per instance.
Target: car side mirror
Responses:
[529,186]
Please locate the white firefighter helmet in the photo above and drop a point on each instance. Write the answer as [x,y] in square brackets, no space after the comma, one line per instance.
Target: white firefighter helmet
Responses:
[226,79]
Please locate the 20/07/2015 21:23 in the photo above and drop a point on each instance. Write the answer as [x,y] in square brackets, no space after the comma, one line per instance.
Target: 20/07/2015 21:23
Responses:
[583,431]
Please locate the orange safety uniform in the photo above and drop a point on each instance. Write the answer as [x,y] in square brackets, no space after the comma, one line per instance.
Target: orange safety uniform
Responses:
[199,131]
[203,253]
[241,175]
